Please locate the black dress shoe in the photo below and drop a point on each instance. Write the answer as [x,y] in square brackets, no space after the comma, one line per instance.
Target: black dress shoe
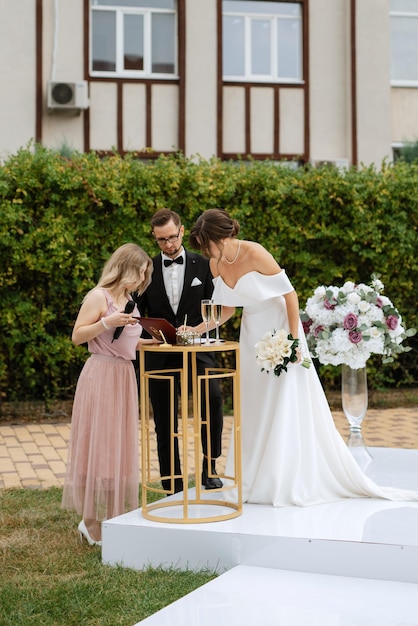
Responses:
[210,482]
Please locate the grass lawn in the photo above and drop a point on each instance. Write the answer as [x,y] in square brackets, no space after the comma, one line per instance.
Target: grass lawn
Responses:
[49,578]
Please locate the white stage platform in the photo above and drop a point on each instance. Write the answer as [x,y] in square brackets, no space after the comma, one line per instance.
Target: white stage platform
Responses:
[292,550]
[256,596]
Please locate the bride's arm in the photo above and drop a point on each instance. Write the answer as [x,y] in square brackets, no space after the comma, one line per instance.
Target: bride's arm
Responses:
[266,264]
[292,307]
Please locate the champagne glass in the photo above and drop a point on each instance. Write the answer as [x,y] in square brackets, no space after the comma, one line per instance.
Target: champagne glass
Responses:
[206,314]
[216,316]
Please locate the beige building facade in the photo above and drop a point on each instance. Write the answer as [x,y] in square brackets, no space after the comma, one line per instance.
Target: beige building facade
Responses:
[309,80]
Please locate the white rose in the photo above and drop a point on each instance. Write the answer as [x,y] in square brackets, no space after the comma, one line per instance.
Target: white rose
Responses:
[363,306]
[320,292]
[353,298]
[377,284]
[348,286]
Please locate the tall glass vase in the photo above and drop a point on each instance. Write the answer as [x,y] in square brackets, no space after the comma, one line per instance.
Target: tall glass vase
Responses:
[354,401]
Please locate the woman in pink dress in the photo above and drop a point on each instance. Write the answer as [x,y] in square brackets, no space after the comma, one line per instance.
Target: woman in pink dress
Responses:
[102,478]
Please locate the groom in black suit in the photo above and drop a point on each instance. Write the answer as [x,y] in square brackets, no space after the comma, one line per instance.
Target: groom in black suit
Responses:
[180,280]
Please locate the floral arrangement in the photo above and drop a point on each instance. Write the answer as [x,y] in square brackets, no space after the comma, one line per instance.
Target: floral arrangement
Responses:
[276,350]
[347,325]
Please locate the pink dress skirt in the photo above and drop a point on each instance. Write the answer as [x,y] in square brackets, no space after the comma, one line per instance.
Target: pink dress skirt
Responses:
[102,477]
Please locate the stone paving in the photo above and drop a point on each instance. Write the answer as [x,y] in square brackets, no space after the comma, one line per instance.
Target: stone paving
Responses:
[33,455]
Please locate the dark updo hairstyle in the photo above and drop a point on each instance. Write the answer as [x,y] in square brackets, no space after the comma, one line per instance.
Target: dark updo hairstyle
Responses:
[213,225]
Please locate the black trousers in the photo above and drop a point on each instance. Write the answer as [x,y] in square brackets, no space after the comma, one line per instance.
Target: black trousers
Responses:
[160,398]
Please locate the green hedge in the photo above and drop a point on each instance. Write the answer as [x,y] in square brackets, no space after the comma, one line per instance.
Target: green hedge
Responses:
[60,219]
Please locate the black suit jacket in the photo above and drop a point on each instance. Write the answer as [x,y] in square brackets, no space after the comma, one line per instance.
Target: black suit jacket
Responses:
[197,286]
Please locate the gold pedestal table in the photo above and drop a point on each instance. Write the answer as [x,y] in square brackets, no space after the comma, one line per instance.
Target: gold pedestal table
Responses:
[194,505]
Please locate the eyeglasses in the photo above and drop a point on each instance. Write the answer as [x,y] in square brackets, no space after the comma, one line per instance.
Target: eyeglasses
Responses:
[162,241]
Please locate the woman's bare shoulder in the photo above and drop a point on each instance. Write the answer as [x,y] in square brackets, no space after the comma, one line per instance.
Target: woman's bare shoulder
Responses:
[254,248]
[263,261]
[95,298]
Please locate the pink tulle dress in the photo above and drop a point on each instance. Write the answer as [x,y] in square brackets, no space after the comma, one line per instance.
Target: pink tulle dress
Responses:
[102,477]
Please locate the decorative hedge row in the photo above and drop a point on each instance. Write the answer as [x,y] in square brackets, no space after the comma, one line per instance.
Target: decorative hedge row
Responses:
[60,218]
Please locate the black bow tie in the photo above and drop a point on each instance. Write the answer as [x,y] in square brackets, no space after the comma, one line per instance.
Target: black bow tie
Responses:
[168,262]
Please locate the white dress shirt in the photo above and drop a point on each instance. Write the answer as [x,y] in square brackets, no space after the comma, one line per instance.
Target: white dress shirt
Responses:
[173,276]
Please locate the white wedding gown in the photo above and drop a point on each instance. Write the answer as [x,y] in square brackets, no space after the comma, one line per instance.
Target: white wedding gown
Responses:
[292,453]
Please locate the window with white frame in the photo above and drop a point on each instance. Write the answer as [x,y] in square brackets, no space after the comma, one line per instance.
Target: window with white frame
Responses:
[136,38]
[262,41]
[404,42]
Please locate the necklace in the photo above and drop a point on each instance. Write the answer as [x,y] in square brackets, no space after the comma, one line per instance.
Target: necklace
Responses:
[235,257]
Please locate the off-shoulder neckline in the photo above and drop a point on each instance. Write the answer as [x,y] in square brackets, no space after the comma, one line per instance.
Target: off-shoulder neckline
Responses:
[247,274]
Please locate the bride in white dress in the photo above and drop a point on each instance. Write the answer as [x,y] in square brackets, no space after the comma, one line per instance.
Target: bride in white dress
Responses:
[292,453]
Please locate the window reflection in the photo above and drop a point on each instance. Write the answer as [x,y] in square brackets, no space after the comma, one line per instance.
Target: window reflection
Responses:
[233,46]
[138,37]
[289,49]
[404,41]
[262,40]
[260,46]
[104,41]
[154,4]
[163,43]
[134,42]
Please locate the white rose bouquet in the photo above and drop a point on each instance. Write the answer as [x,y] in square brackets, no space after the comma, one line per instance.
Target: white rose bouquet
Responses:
[346,325]
[276,350]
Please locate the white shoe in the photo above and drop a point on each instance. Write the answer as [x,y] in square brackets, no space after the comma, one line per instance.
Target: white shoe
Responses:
[82,529]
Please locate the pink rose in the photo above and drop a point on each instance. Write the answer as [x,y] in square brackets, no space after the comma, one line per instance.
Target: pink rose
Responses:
[350,321]
[318,329]
[392,322]
[379,302]
[306,326]
[329,305]
[355,336]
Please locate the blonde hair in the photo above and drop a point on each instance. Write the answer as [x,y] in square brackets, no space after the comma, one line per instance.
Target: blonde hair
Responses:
[123,270]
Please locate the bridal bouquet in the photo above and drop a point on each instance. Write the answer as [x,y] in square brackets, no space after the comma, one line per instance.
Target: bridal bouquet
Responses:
[276,350]
[345,325]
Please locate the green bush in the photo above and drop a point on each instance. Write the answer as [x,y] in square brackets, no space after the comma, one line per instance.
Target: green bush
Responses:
[62,217]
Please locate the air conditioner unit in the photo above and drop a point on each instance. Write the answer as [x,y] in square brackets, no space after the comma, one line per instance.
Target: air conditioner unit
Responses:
[70,96]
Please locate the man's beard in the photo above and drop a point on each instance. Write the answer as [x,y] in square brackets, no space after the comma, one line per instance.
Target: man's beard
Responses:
[172,254]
